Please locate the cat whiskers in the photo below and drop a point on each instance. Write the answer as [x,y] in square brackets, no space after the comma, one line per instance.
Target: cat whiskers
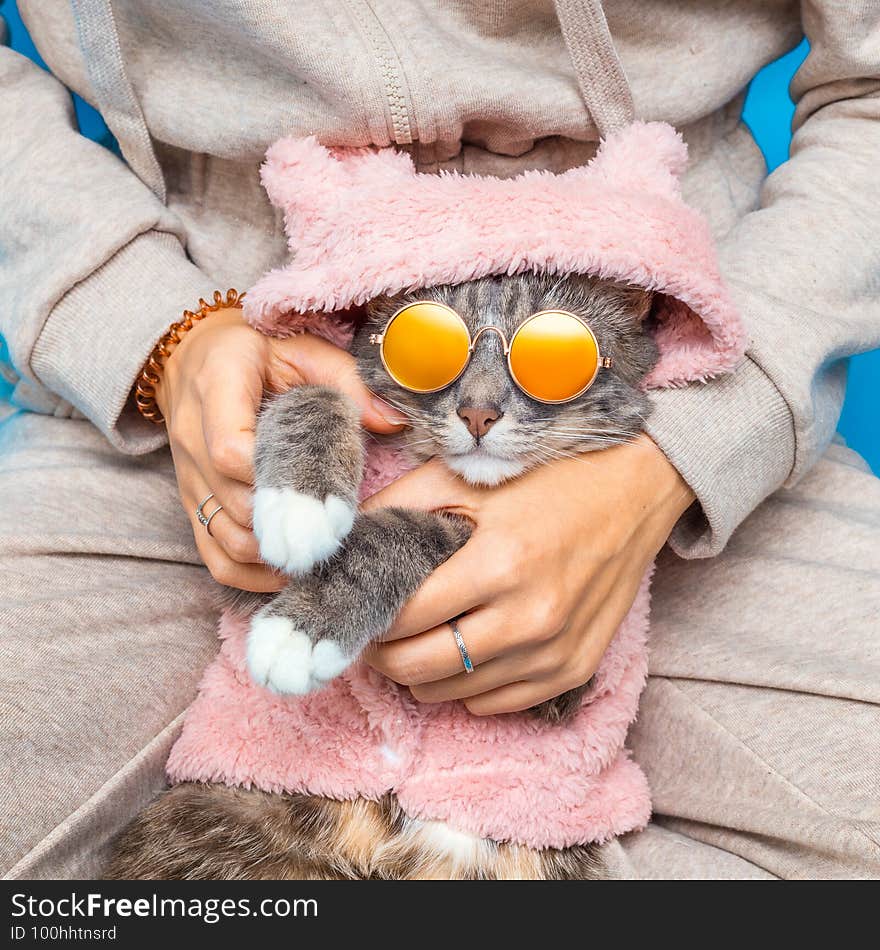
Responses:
[578,448]
[415,415]
[592,435]
[412,443]
[556,426]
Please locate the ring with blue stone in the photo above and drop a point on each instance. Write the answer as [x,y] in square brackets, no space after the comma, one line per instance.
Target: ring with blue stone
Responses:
[462,647]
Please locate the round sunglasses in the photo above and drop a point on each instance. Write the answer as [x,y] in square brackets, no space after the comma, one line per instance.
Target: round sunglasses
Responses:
[553,355]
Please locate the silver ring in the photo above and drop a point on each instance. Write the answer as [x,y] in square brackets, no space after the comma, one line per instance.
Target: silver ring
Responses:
[462,648]
[206,519]
[200,511]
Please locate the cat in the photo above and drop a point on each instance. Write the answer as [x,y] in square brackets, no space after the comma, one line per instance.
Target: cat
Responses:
[351,572]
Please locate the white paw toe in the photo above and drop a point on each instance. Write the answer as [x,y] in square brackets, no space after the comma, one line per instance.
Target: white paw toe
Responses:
[297,531]
[283,658]
[279,656]
[328,661]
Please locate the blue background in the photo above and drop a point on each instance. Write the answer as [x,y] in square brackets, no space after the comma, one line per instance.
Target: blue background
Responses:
[768,112]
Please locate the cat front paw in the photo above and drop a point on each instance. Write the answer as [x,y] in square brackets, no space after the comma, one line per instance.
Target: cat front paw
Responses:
[296,531]
[287,661]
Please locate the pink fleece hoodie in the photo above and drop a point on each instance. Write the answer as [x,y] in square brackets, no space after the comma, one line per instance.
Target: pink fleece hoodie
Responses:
[361,223]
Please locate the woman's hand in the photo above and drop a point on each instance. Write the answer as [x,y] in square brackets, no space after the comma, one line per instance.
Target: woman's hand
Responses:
[552,567]
[210,392]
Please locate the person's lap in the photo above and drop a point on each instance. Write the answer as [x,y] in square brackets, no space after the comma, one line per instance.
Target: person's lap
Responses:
[106,625]
[758,728]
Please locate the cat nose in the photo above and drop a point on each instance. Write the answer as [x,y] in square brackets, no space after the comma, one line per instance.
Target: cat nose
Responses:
[479,419]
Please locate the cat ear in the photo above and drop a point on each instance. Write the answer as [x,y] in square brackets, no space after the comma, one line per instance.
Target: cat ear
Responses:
[643,157]
[380,308]
[628,298]
[635,300]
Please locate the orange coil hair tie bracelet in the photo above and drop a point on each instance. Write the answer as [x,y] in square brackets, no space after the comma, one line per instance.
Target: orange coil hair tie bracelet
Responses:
[145,388]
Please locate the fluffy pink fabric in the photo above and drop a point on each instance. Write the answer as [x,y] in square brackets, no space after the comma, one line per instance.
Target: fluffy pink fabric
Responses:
[362,223]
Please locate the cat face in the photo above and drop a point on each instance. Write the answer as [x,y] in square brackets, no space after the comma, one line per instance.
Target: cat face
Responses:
[483,426]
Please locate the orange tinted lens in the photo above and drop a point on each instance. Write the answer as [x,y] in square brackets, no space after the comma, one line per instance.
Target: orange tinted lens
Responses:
[425,346]
[553,356]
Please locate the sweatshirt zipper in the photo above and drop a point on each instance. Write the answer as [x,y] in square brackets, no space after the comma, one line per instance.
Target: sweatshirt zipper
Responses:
[390,69]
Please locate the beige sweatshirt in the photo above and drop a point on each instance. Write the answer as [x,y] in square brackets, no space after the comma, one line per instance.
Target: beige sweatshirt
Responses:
[98,256]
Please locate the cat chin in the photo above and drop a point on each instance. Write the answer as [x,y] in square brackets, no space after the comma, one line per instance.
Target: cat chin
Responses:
[479,468]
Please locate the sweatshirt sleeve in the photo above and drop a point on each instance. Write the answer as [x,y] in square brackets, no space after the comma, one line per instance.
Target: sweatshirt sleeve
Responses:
[92,265]
[804,269]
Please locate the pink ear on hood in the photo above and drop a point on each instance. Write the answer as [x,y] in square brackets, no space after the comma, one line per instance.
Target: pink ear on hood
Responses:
[311,183]
[369,168]
[650,158]
[301,176]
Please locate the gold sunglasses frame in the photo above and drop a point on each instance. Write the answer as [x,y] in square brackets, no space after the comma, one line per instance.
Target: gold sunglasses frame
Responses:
[602,362]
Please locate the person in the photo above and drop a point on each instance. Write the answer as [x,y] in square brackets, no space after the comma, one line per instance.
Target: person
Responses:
[758,727]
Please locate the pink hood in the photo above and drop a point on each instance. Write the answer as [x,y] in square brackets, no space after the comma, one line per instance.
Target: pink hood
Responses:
[361,223]
[364,222]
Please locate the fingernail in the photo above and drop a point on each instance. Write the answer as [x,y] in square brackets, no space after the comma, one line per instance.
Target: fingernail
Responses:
[391,415]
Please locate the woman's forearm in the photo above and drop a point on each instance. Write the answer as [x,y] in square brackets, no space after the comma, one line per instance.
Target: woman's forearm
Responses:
[802,269]
[92,270]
